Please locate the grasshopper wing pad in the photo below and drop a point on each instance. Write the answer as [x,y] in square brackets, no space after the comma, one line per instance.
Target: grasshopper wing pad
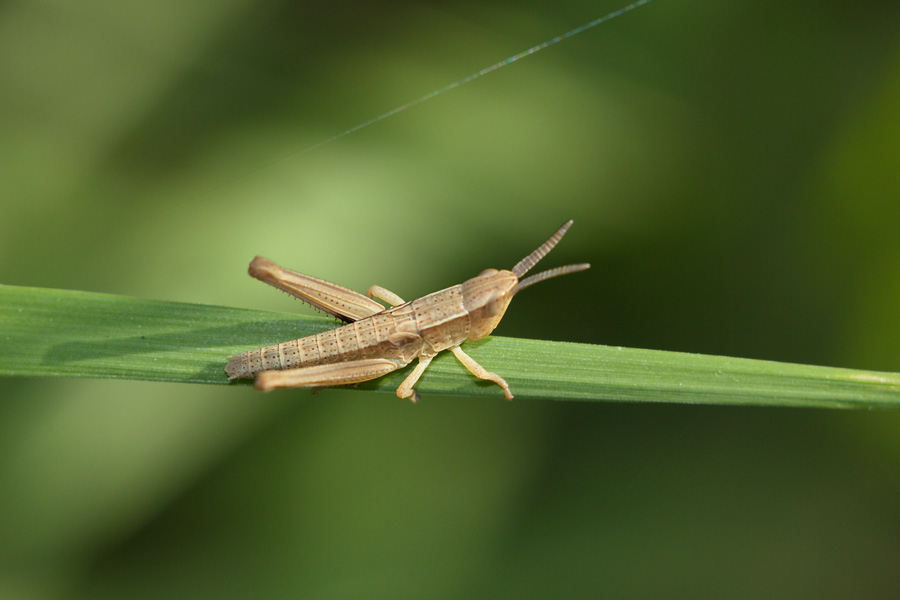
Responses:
[334,299]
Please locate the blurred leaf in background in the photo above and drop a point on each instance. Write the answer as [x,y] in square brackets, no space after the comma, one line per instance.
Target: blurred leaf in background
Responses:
[732,167]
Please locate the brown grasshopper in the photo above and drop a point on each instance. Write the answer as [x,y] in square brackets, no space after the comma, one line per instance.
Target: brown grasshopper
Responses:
[378,340]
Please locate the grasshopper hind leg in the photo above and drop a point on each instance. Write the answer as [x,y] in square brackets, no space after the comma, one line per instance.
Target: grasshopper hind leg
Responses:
[376,291]
[319,376]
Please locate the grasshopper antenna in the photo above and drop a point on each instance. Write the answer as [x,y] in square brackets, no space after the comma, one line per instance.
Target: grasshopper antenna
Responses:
[527,263]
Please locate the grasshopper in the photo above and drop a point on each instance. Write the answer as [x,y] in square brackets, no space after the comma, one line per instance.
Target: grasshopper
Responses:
[378,340]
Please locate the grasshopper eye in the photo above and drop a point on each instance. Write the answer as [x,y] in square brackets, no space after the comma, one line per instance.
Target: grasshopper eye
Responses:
[487,272]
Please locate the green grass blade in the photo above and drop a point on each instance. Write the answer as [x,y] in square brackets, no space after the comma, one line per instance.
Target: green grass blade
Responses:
[57,333]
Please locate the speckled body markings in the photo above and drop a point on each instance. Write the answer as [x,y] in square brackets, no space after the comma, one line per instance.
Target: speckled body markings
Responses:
[378,340]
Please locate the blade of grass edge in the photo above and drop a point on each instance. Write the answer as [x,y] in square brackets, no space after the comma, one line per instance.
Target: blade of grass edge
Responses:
[60,333]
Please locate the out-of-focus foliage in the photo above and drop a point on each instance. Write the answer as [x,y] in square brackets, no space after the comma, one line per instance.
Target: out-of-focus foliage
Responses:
[731,168]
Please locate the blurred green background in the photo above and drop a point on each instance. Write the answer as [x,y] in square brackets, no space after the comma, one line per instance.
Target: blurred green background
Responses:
[733,169]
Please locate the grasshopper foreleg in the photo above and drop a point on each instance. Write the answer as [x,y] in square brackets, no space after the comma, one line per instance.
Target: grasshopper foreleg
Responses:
[479,371]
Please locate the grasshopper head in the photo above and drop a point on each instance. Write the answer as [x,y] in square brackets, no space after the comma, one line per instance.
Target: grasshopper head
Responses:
[487,296]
